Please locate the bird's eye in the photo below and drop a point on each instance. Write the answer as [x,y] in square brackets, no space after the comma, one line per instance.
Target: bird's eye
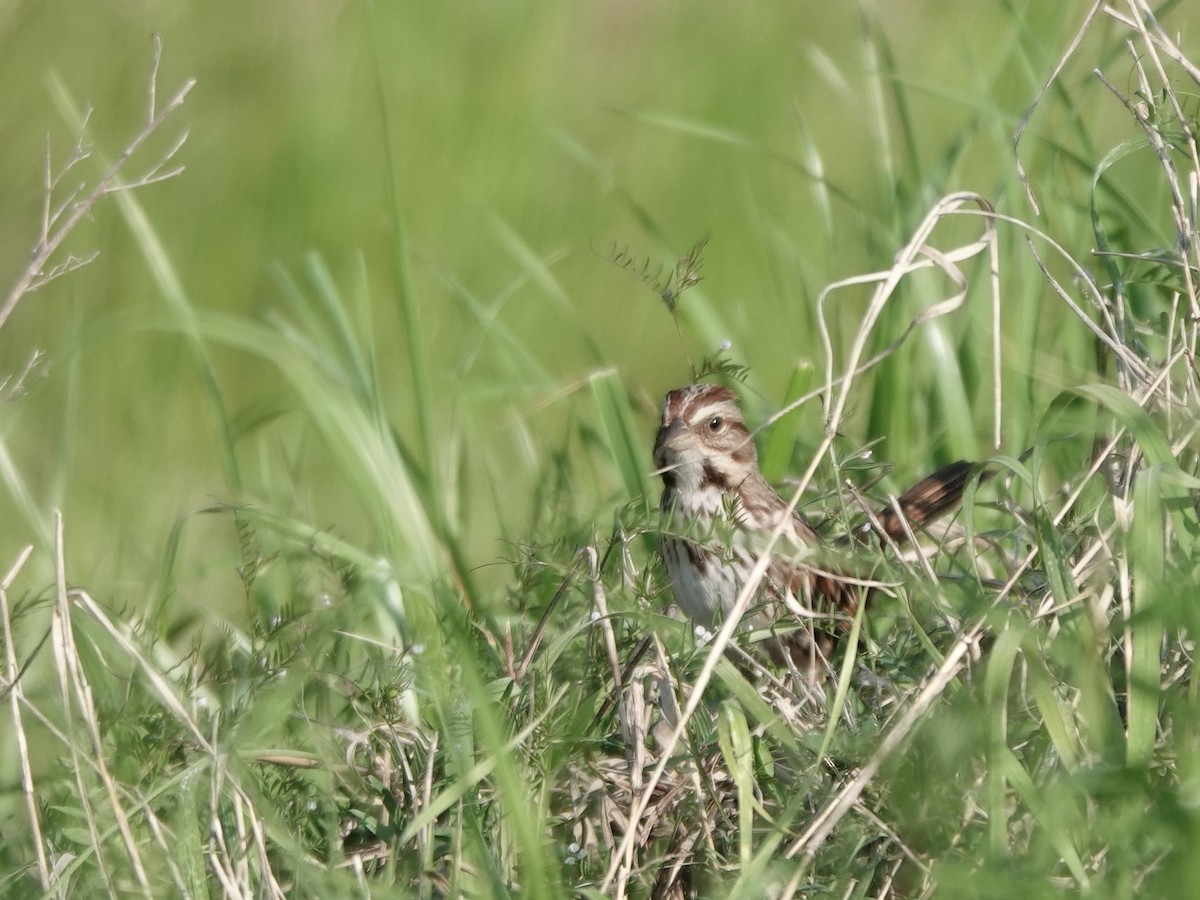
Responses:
[715,423]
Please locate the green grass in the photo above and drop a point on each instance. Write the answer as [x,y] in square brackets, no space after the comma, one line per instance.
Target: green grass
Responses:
[329,528]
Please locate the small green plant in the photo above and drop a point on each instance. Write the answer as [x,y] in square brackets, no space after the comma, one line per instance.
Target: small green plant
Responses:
[683,276]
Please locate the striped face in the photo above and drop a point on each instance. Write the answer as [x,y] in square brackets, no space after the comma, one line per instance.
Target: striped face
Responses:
[703,443]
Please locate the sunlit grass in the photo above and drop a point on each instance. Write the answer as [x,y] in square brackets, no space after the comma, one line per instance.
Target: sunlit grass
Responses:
[366,601]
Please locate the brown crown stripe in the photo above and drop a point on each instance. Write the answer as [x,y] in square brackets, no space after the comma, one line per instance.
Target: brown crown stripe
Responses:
[689,403]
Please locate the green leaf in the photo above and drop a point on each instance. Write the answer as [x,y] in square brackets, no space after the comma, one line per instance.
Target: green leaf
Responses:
[777,454]
[1146,557]
[996,683]
[733,735]
[1139,422]
[627,446]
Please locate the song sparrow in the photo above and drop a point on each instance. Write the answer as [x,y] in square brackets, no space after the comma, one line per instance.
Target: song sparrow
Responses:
[718,511]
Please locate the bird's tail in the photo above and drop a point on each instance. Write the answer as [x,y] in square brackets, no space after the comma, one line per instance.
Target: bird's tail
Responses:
[929,498]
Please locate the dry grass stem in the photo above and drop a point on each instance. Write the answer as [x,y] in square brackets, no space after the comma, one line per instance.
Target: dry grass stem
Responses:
[61,217]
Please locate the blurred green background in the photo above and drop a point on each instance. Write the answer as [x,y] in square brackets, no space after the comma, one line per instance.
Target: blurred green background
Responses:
[516,143]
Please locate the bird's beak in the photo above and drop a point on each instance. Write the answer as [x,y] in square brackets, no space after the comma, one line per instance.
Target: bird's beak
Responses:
[668,437]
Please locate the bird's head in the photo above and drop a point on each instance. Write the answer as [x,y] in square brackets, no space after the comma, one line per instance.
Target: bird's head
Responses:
[703,440]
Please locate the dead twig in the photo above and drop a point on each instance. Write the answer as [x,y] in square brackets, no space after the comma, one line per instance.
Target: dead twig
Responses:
[61,216]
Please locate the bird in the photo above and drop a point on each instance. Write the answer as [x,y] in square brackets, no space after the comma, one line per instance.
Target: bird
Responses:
[718,512]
